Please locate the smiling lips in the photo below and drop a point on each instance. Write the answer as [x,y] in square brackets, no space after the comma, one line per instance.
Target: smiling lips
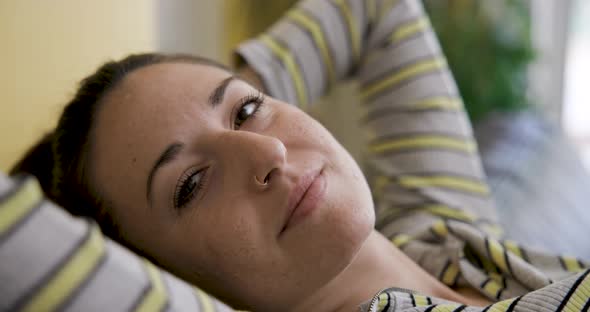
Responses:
[304,197]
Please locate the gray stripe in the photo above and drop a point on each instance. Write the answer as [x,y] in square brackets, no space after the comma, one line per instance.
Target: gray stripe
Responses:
[393,194]
[348,40]
[336,39]
[384,112]
[396,214]
[6,184]
[52,270]
[329,47]
[271,69]
[391,90]
[145,290]
[378,76]
[311,68]
[23,220]
[33,252]
[116,284]
[471,203]
[319,80]
[431,161]
[402,11]
[81,288]
[407,124]
[407,226]
[182,296]
[10,187]
[400,56]
[358,11]
[412,91]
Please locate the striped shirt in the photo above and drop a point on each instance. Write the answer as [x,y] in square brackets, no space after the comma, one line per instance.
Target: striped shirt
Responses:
[430,192]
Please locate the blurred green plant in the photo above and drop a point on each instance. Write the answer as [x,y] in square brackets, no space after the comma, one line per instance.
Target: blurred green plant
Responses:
[488,46]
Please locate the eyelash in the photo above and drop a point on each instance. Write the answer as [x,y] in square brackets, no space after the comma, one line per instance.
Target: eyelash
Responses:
[181,198]
[253,98]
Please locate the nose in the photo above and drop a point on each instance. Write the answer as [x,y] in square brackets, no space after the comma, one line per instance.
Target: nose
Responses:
[257,158]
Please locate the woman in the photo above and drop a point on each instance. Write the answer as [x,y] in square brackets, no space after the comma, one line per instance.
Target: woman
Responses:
[256,203]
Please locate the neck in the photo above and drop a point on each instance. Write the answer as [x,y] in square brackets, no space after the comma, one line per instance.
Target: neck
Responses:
[378,265]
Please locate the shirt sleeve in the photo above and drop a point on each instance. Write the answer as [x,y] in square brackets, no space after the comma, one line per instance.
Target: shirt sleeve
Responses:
[424,161]
[50,261]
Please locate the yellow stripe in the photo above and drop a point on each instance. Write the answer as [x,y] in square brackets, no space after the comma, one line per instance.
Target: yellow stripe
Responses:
[156,298]
[488,265]
[579,297]
[497,254]
[424,141]
[421,301]
[355,38]
[409,29]
[205,301]
[440,228]
[449,307]
[474,257]
[383,301]
[447,212]
[318,37]
[571,264]
[450,182]
[287,58]
[441,102]
[18,205]
[492,288]
[513,248]
[70,276]
[403,74]
[450,274]
[401,239]
[501,306]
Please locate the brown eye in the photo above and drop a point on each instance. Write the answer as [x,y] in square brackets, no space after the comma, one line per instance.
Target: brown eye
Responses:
[248,108]
[244,113]
[188,186]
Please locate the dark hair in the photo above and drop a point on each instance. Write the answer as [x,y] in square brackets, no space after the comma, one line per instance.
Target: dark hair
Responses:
[59,159]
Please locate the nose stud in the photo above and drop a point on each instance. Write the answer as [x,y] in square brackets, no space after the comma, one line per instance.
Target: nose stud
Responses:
[262,183]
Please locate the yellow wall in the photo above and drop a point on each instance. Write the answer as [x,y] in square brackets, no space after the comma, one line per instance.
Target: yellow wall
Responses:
[46,47]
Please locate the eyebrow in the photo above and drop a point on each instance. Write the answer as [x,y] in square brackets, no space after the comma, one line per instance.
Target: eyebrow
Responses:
[167,156]
[172,151]
[216,96]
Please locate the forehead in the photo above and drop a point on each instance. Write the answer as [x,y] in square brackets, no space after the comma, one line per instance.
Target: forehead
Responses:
[168,81]
[139,118]
[154,99]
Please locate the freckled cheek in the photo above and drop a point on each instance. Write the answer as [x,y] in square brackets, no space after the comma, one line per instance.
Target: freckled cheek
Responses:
[298,127]
[229,219]
[233,243]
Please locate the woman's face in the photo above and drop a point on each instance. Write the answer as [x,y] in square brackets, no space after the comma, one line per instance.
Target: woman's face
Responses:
[244,195]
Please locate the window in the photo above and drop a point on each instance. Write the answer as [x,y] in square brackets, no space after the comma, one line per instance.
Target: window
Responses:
[576,108]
